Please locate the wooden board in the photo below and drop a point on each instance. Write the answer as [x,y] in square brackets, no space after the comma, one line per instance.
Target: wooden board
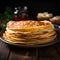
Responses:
[49,53]
[23,54]
[4,51]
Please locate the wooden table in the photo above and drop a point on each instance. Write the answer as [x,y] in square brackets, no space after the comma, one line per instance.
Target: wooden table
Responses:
[8,52]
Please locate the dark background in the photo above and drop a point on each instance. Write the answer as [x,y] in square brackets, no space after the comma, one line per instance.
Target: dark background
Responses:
[34,6]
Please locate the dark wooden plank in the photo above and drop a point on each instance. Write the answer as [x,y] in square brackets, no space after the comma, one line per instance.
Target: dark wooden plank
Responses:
[0,43]
[48,53]
[49,58]
[4,51]
[23,54]
[58,48]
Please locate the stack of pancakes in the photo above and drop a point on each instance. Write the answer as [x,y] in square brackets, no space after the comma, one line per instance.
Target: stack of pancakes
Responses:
[29,32]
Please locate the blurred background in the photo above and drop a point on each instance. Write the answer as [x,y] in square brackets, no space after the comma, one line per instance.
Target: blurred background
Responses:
[34,6]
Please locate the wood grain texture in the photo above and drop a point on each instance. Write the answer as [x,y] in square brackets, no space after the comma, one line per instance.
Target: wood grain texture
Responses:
[48,53]
[4,51]
[58,48]
[23,54]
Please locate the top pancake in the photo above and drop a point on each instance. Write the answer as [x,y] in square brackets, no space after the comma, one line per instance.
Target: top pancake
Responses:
[29,25]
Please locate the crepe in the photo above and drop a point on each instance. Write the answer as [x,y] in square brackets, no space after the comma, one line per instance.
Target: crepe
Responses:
[30,41]
[30,32]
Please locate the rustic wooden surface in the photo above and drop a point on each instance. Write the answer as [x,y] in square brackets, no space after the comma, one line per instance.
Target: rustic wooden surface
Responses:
[8,52]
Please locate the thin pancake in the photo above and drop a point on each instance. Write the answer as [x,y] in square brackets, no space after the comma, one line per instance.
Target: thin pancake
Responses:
[44,35]
[34,41]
